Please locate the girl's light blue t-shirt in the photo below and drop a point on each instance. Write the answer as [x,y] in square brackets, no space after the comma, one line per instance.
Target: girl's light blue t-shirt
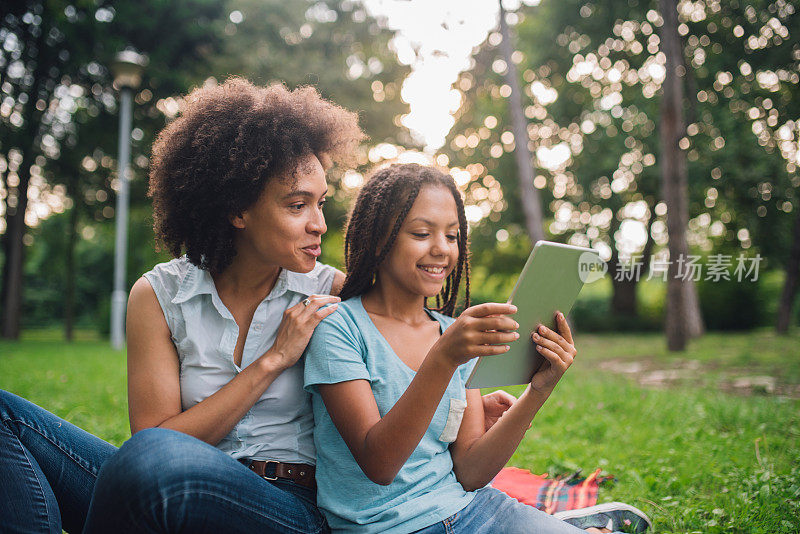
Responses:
[348,346]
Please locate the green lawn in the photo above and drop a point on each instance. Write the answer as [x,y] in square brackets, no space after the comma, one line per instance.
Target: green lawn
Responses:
[694,450]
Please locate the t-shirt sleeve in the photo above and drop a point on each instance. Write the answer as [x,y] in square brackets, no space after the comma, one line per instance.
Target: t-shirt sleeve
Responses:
[335,353]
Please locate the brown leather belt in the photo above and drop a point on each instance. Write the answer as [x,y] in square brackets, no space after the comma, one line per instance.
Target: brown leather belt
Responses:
[302,474]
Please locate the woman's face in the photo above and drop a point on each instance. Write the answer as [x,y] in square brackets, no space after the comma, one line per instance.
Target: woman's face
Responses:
[426,249]
[285,225]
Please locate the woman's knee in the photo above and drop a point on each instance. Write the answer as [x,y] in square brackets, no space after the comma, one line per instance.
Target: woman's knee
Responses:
[10,404]
[156,458]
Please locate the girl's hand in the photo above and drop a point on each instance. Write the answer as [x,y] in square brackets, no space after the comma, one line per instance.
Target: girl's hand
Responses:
[477,332]
[559,351]
[296,328]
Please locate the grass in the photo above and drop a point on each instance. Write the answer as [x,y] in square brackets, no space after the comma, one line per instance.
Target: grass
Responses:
[694,454]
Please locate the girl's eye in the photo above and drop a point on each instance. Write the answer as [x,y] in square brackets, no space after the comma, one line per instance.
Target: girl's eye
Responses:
[452,237]
[322,202]
[297,207]
[421,235]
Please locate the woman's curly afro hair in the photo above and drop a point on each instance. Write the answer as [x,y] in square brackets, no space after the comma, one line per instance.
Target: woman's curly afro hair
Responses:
[214,160]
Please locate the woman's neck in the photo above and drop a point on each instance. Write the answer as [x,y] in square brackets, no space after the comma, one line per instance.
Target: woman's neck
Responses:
[247,277]
[390,301]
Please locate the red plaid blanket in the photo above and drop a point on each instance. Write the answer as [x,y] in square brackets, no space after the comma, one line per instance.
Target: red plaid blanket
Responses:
[549,494]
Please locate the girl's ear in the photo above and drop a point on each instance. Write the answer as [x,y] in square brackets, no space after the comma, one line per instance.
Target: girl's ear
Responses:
[237,221]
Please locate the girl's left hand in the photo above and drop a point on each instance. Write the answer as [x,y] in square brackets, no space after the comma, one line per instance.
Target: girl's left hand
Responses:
[559,351]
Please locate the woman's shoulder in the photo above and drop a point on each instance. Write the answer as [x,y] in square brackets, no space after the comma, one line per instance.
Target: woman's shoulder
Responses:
[167,278]
[317,281]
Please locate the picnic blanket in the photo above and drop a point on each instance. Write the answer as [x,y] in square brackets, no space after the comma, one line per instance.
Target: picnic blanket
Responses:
[550,495]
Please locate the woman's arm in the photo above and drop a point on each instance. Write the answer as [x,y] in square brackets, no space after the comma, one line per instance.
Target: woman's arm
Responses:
[479,455]
[154,398]
[381,445]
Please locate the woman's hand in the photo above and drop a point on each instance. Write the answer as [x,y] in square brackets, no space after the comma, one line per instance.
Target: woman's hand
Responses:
[495,405]
[559,351]
[479,331]
[296,328]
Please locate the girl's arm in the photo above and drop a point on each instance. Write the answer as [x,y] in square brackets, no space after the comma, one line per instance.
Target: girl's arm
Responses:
[477,455]
[381,445]
[154,395]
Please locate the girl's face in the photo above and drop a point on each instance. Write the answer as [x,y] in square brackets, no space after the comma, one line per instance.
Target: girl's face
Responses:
[426,249]
[285,225]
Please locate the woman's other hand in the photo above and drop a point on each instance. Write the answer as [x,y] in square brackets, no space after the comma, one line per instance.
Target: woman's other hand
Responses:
[495,405]
[480,330]
[559,351]
[296,328]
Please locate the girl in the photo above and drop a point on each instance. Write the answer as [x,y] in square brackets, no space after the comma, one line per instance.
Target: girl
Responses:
[401,445]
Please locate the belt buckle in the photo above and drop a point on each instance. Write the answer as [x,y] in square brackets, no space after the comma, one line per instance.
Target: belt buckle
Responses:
[266,464]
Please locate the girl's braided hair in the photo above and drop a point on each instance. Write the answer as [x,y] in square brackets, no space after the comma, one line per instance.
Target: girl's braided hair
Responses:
[380,209]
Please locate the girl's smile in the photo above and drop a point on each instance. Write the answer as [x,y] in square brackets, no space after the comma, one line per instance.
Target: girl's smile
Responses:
[426,249]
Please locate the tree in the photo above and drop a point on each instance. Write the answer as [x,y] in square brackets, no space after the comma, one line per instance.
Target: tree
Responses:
[54,52]
[593,72]
[680,307]
[529,195]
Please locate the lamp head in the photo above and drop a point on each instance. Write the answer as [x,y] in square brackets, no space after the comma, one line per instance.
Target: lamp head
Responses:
[127,69]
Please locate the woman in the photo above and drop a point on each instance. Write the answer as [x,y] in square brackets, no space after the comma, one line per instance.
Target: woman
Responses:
[221,426]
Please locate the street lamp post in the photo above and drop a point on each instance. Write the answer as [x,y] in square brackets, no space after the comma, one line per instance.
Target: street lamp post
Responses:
[127,69]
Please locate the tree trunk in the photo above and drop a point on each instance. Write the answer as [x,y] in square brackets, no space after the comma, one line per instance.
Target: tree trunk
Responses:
[623,296]
[529,195]
[14,253]
[15,217]
[69,283]
[790,285]
[682,309]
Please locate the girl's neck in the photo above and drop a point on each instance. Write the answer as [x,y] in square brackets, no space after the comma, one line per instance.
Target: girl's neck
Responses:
[390,301]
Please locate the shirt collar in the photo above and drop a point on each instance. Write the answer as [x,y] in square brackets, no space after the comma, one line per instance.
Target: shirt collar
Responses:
[198,281]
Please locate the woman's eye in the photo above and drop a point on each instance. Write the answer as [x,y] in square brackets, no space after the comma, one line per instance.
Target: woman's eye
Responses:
[452,237]
[297,207]
[419,234]
[322,202]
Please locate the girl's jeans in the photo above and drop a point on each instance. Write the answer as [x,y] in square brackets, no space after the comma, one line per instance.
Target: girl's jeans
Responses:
[158,481]
[492,511]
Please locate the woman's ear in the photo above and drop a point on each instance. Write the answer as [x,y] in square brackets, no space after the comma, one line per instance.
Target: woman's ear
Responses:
[237,221]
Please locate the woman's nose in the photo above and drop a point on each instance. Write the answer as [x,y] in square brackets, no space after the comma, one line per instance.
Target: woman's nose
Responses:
[317,223]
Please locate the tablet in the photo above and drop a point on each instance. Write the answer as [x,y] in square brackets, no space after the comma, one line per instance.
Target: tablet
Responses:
[551,280]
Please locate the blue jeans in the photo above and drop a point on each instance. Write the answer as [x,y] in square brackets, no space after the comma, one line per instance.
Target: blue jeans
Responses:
[158,481]
[48,468]
[494,512]
[165,481]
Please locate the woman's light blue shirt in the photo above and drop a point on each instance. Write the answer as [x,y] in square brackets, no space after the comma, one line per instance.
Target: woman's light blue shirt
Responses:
[348,346]
[279,425]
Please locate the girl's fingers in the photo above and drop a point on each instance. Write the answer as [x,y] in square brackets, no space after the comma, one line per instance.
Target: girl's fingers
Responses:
[551,345]
[490,308]
[546,333]
[489,350]
[501,322]
[493,338]
[563,328]
[551,356]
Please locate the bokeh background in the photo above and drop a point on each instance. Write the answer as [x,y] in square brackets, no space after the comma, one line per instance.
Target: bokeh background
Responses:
[703,436]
